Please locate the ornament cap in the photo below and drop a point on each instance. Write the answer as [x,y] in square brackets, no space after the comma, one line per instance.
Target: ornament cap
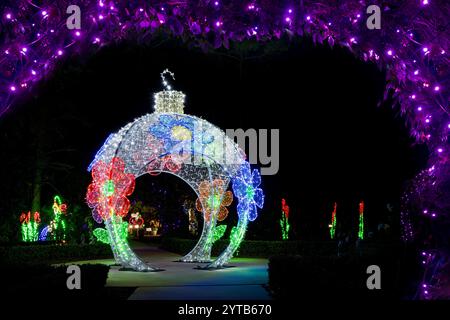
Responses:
[169,101]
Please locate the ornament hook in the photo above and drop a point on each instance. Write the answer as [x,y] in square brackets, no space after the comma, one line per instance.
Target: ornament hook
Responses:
[165,83]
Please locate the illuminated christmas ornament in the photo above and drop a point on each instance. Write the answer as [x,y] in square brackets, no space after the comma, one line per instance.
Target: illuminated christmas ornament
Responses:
[333,222]
[361,221]
[284,221]
[188,147]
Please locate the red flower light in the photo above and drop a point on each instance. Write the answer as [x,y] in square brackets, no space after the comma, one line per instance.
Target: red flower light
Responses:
[285,208]
[108,192]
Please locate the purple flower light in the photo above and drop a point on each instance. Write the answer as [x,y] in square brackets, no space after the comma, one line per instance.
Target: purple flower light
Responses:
[8,16]
[437,88]
[390,52]
[12,88]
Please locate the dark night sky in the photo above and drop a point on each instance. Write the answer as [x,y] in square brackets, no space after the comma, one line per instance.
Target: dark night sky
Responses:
[336,145]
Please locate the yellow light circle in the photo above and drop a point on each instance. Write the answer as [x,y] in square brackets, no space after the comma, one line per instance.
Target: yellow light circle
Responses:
[181,133]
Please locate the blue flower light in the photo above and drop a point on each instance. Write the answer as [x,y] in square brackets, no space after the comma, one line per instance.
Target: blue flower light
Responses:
[175,129]
[246,189]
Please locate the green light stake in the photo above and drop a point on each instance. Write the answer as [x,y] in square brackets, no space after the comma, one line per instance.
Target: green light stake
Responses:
[361,221]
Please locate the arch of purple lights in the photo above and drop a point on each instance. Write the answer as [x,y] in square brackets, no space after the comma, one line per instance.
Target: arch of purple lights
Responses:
[412,46]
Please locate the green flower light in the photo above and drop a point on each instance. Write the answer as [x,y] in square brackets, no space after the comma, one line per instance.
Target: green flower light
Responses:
[214,201]
[250,192]
[108,188]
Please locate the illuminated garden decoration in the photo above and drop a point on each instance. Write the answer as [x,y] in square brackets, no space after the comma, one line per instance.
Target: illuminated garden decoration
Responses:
[120,227]
[284,221]
[412,46]
[361,221]
[188,147]
[333,223]
[188,208]
[58,225]
[29,226]
[135,223]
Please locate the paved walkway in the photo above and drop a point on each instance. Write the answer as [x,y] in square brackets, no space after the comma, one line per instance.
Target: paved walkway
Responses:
[181,281]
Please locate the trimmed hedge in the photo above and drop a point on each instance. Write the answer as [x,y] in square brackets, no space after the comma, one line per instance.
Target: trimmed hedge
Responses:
[254,248]
[44,281]
[331,277]
[47,254]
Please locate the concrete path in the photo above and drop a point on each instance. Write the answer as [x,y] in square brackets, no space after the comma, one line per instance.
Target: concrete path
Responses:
[181,281]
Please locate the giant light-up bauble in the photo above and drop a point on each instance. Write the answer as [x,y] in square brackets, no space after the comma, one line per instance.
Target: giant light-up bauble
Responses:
[183,145]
